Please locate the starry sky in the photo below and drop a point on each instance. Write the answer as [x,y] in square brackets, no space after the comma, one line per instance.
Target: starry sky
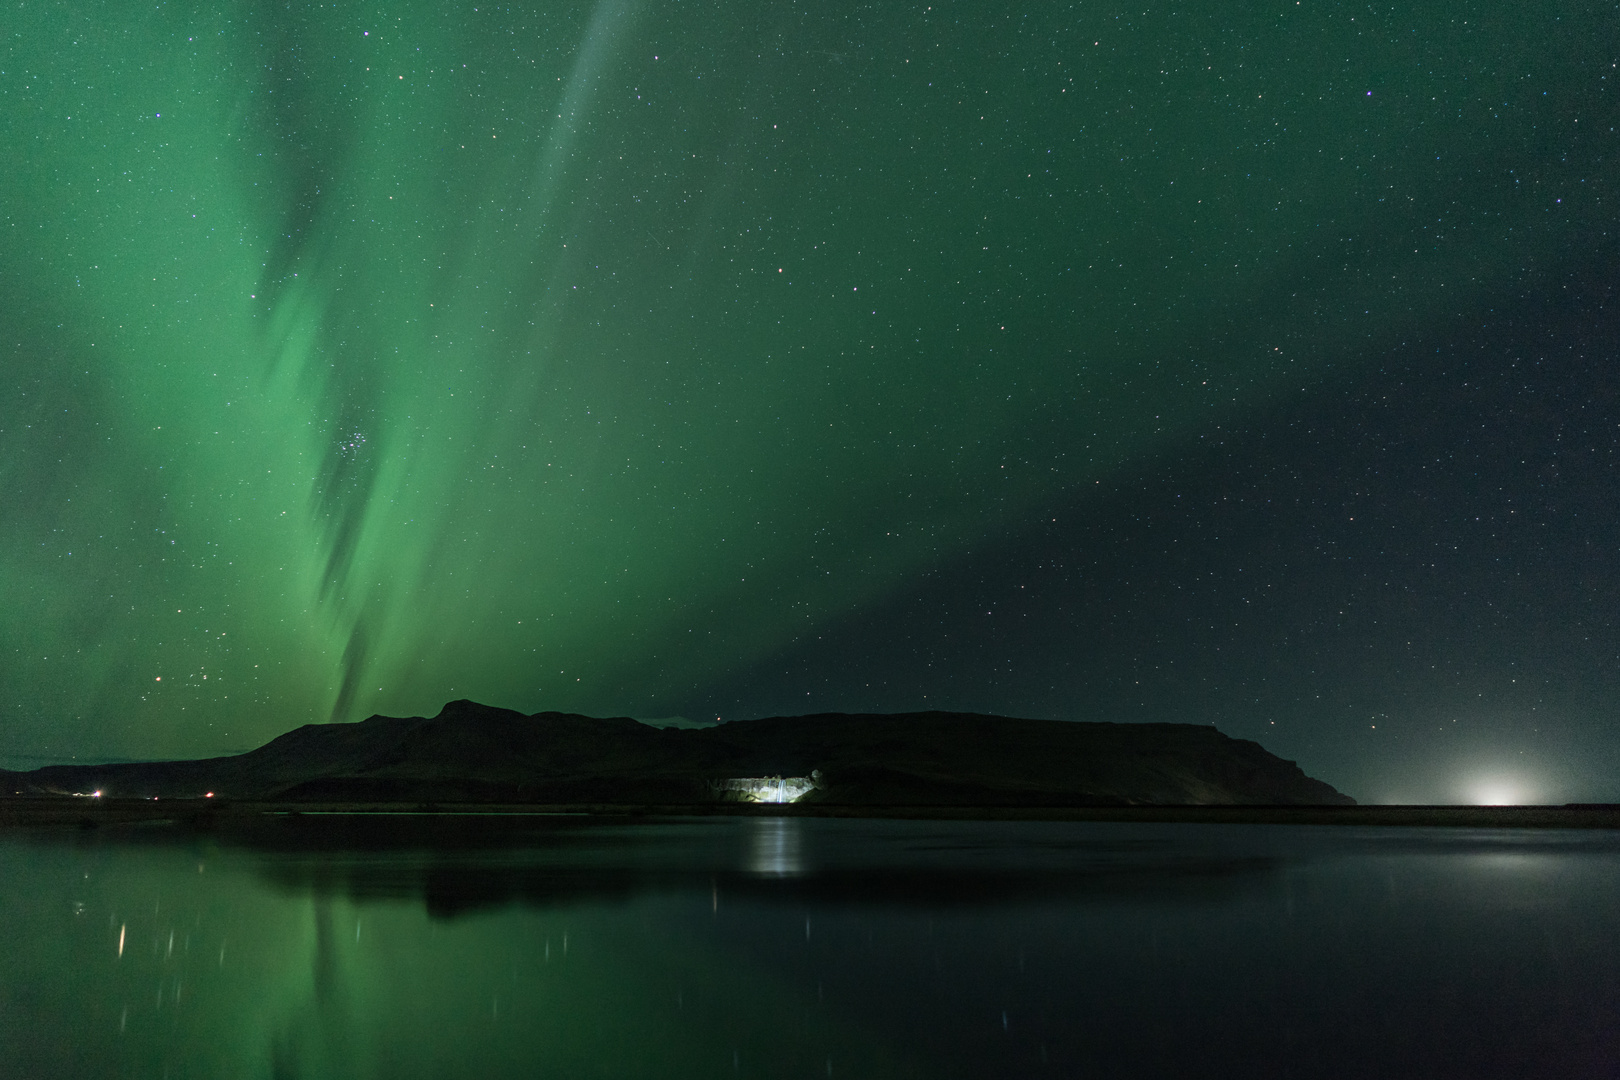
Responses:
[1251,366]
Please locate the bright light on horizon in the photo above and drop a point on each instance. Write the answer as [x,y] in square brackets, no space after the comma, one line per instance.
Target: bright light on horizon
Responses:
[1499,791]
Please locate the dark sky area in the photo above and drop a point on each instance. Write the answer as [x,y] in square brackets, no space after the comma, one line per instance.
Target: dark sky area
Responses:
[1244,365]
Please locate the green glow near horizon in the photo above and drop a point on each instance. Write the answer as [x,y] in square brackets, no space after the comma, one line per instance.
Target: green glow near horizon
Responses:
[371,357]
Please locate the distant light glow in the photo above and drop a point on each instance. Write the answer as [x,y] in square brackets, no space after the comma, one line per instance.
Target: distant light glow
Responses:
[1499,791]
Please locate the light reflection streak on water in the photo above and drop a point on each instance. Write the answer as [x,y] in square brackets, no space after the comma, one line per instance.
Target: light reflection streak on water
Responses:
[776,847]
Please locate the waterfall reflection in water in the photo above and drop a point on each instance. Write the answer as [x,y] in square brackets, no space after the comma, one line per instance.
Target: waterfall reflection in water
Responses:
[777,847]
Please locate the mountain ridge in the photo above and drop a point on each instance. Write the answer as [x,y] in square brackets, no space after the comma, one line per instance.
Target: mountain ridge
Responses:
[473,753]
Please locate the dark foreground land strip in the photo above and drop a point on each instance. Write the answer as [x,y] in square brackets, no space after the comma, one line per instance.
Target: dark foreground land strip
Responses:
[26,812]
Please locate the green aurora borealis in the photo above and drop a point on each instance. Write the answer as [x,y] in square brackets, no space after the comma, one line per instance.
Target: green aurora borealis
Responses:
[361,357]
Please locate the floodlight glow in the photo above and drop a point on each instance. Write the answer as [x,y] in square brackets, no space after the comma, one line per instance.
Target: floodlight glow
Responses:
[1498,790]
[764,789]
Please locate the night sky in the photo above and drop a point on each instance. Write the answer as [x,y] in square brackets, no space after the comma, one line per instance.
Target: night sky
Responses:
[1252,365]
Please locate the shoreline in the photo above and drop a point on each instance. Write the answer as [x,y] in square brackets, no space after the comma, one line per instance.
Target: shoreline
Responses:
[24,812]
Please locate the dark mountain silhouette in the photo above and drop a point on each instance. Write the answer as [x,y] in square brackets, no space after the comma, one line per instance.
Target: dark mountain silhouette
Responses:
[472,753]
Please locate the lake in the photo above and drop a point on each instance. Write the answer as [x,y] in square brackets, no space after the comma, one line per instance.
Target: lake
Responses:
[351,946]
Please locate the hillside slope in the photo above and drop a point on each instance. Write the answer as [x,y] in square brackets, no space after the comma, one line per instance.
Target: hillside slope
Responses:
[476,753]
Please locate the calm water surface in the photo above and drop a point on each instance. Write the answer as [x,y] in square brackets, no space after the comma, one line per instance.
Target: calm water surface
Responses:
[327,947]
